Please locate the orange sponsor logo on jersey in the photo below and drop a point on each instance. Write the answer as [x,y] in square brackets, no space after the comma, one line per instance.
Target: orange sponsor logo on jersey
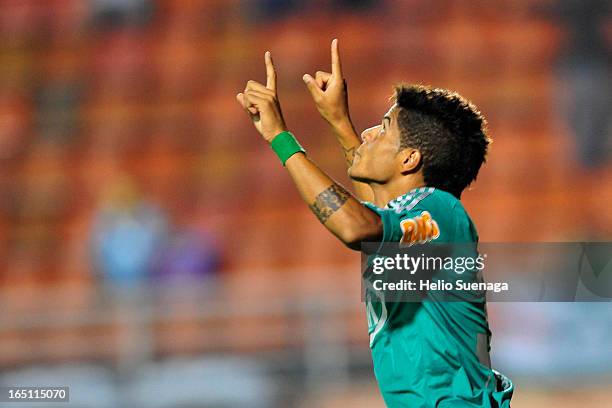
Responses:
[419,230]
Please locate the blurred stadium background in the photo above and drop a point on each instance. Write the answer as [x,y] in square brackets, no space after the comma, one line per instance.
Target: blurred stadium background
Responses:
[153,253]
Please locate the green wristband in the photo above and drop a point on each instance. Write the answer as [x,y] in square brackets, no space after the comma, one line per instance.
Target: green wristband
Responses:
[285,146]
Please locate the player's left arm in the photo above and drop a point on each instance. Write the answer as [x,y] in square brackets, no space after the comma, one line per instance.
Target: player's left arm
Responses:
[337,209]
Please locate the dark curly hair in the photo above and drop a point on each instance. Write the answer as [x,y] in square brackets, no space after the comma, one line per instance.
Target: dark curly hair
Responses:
[448,130]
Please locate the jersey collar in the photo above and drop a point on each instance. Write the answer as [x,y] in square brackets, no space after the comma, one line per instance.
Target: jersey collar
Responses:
[404,200]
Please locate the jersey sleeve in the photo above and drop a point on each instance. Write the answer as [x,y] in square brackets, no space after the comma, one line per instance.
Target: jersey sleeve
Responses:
[390,221]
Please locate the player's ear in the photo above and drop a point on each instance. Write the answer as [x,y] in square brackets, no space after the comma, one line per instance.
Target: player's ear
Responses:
[411,160]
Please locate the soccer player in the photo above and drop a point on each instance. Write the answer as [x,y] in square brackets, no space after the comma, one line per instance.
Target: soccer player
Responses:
[408,173]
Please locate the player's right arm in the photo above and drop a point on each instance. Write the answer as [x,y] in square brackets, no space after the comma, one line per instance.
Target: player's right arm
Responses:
[329,92]
[341,213]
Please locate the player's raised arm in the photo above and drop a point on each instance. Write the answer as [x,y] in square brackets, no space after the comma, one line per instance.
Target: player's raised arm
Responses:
[329,92]
[337,209]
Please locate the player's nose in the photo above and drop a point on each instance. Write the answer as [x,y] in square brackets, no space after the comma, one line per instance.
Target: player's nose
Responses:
[366,135]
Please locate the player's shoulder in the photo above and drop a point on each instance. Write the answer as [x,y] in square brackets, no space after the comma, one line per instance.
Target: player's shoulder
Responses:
[445,210]
[441,207]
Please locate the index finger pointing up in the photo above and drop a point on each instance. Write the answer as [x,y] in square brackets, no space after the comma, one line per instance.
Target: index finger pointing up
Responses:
[270,72]
[335,56]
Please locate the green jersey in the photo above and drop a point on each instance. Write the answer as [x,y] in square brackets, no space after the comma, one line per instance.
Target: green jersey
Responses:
[426,354]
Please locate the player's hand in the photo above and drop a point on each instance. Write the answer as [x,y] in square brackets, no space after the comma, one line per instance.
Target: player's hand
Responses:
[329,91]
[261,103]
[419,230]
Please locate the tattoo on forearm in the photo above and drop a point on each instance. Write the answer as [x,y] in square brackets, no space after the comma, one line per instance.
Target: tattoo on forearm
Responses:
[349,155]
[329,201]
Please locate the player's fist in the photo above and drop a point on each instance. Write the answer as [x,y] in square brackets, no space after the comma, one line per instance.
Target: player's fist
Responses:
[329,91]
[419,230]
[261,103]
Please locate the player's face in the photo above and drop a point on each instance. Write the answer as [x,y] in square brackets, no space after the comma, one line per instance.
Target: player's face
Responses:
[376,159]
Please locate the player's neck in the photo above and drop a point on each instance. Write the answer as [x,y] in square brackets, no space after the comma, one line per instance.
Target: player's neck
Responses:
[383,193]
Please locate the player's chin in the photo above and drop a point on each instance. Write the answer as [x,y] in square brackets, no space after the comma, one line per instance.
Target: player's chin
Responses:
[352,171]
[356,174]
